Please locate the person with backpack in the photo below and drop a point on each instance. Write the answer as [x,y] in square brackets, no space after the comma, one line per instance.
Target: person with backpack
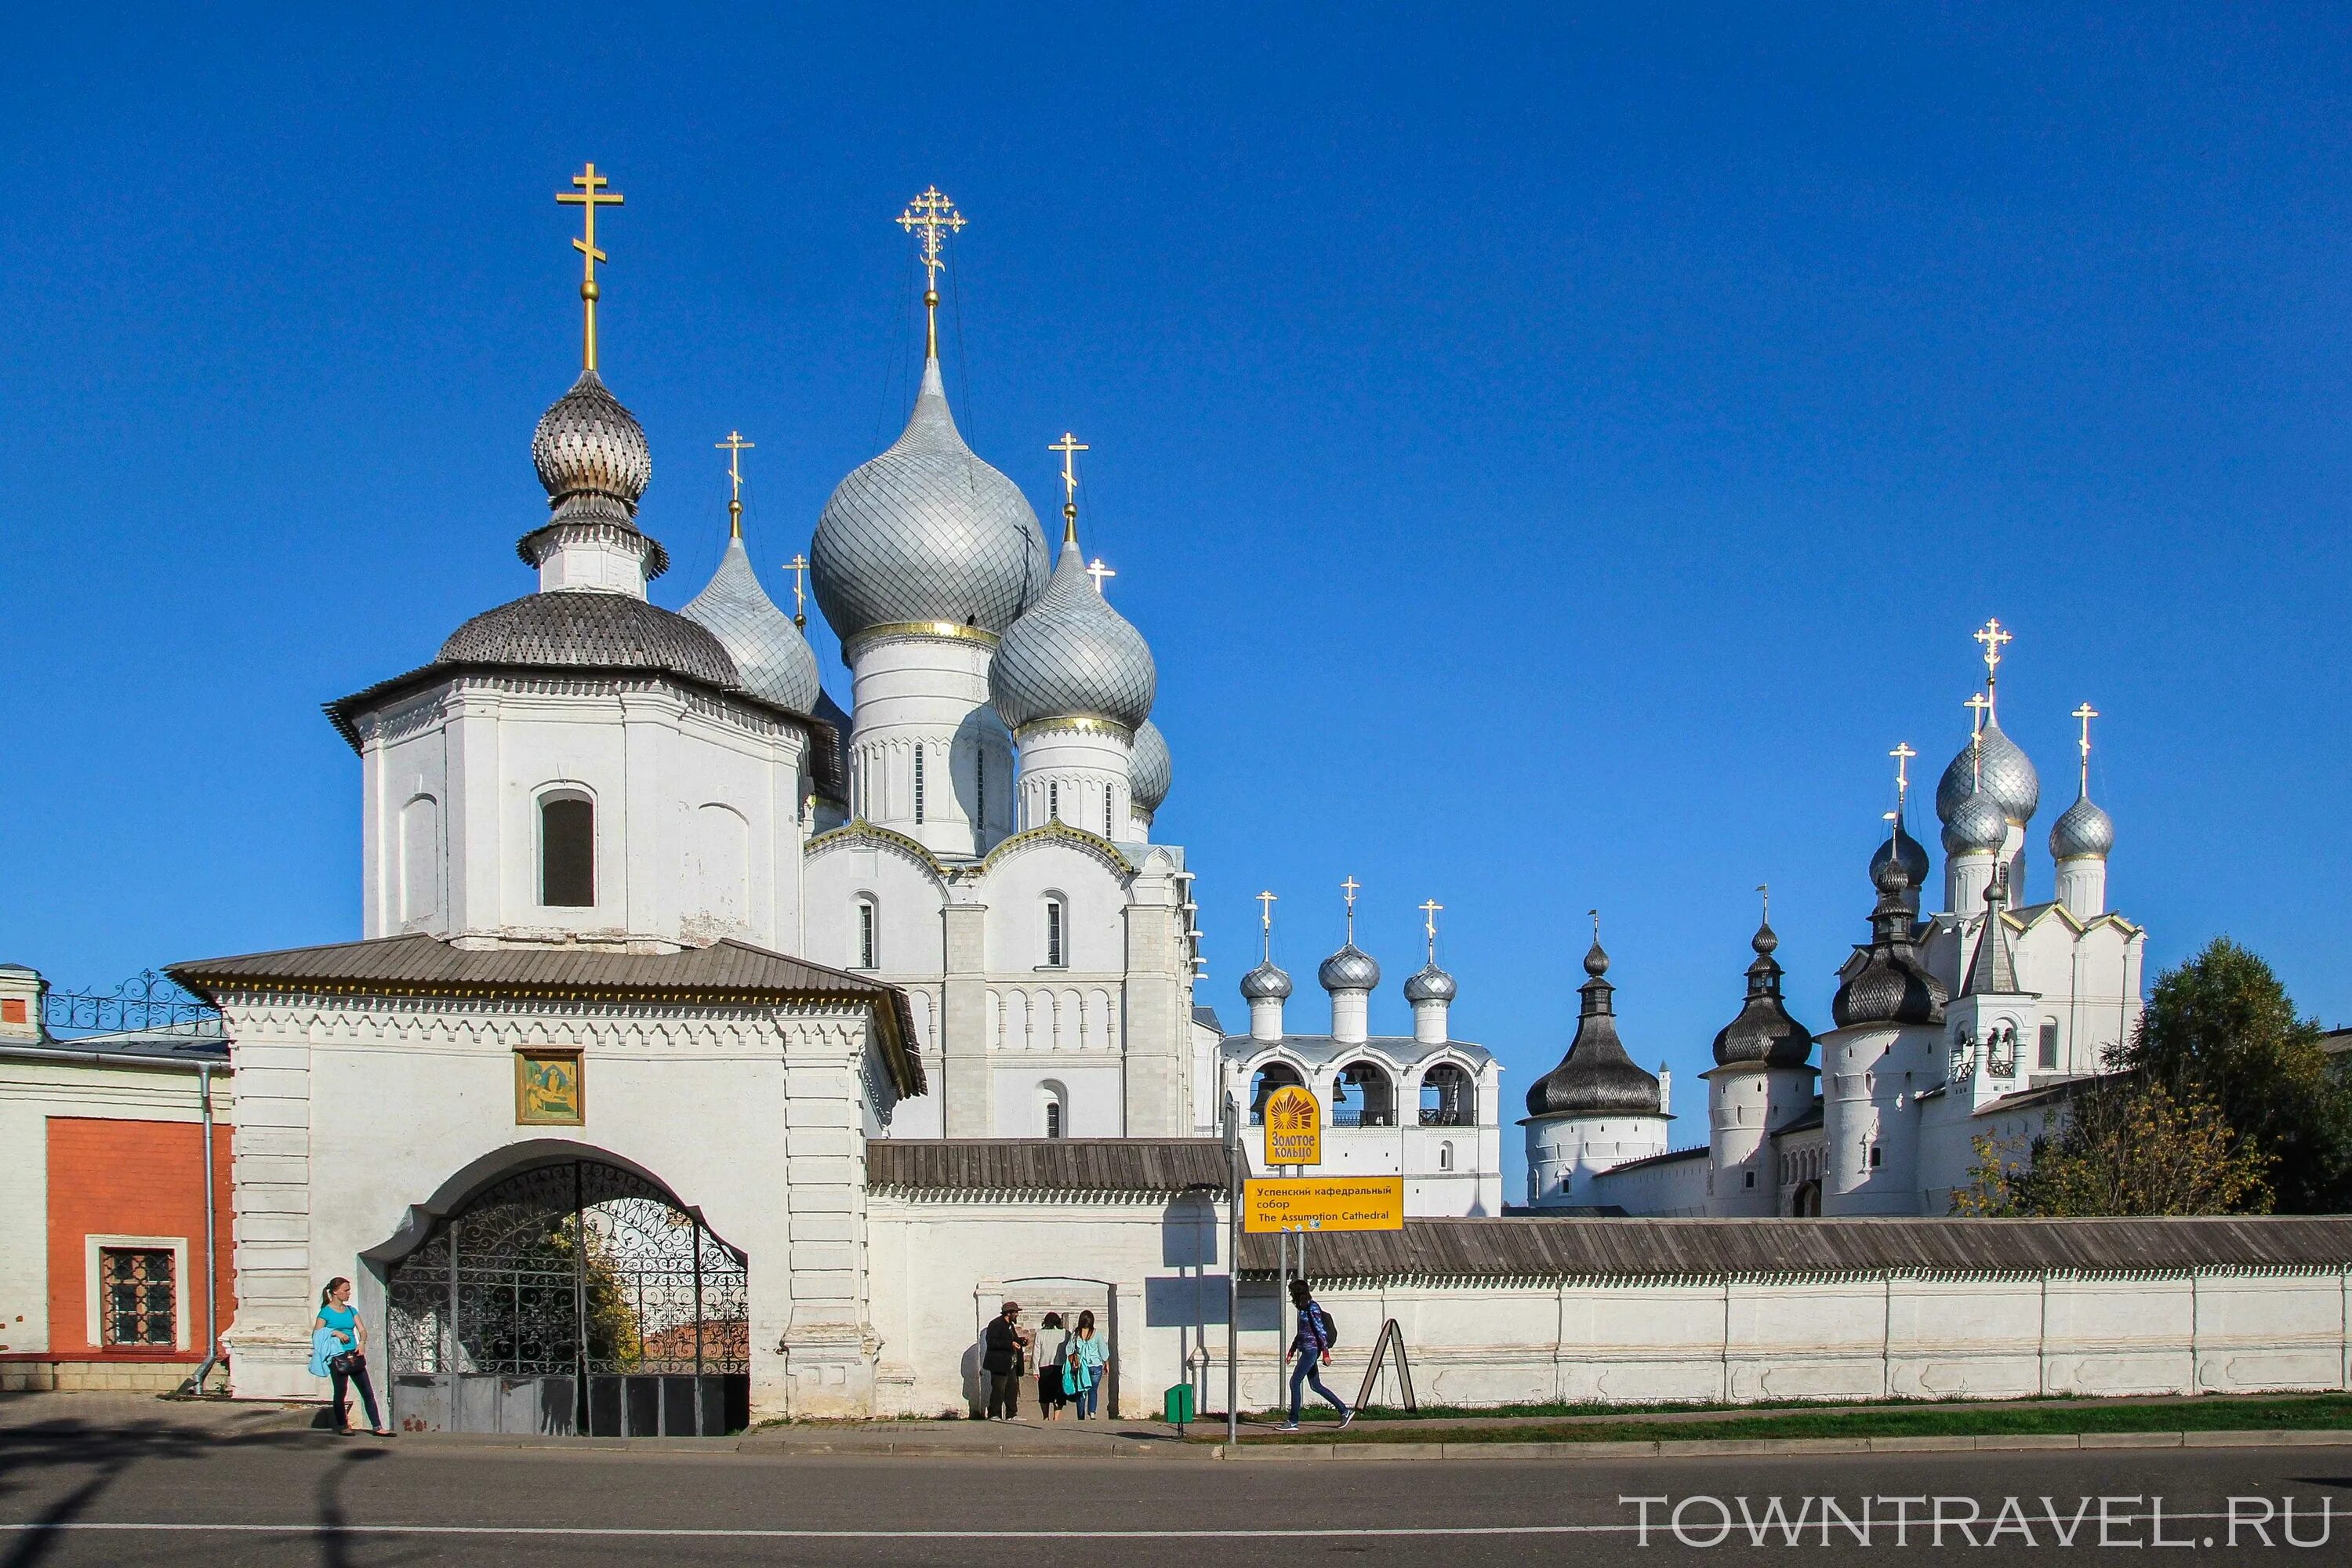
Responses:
[1312,1345]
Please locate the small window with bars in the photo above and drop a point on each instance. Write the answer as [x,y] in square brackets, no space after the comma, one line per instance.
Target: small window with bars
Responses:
[1107,832]
[1054,800]
[918,781]
[135,1285]
[2048,1054]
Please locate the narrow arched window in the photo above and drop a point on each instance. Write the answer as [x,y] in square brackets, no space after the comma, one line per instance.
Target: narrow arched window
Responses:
[1054,801]
[1107,832]
[567,853]
[1057,1108]
[2047,1056]
[918,781]
[1057,933]
[869,940]
[1446,1156]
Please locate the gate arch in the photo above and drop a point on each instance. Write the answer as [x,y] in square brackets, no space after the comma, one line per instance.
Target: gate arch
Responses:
[573,1296]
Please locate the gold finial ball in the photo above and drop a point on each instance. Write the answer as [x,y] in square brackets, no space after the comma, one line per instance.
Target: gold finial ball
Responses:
[590,292]
[932,298]
[1070,509]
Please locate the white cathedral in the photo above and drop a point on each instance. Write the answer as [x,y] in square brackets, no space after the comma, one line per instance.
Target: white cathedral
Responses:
[1969,1024]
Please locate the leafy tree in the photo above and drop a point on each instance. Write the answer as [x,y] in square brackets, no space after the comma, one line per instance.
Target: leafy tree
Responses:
[2221,1029]
[2127,1146]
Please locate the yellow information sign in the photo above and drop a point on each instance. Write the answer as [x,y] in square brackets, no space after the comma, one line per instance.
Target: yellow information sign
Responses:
[1293,1128]
[1322,1202]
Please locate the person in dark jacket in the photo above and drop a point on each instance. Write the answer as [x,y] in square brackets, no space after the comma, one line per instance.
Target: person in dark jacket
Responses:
[1001,1356]
[1312,1346]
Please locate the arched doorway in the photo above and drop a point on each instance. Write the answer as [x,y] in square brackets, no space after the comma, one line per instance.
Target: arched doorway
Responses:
[572,1297]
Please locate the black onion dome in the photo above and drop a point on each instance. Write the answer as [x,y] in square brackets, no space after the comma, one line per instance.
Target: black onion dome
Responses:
[1892,986]
[1764,1035]
[1900,845]
[591,631]
[1596,1077]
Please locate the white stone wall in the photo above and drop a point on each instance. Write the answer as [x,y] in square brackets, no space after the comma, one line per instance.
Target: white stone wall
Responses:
[349,1115]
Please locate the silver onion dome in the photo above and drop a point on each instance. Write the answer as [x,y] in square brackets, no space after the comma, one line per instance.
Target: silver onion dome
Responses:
[1975,825]
[776,662]
[1070,655]
[1429,984]
[1268,980]
[2083,830]
[1151,770]
[591,453]
[927,532]
[2007,775]
[1349,969]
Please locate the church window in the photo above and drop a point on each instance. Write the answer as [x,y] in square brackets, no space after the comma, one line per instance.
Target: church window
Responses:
[1446,1156]
[867,936]
[1878,1156]
[1106,832]
[918,781]
[1055,1102]
[567,852]
[1056,920]
[979,787]
[1750,1180]
[1053,1118]
[1054,800]
[2048,1055]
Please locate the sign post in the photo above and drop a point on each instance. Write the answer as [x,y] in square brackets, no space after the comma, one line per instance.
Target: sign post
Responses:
[1293,1128]
[1278,1205]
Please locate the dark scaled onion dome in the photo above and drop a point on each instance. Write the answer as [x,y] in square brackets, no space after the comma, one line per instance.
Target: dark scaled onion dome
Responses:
[1596,1077]
[1891,985]
[1764,1035]
[591,453]
[1975,825]
[2083,831]
[1072,656]
[927,532]
[592,631]
[2007,775]
[1909,850]
[1349,969]
[1429,984]
[773,660]
[1151,770]
[1268,980]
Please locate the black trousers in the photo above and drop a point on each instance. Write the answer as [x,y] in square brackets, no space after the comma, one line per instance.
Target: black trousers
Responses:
[1004,1394]
[357,1378]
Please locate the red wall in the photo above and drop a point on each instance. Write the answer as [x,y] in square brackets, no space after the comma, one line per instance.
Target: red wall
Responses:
[134,1178]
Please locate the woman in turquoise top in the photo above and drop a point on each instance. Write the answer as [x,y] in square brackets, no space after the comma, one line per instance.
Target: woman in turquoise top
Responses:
[339,1351]
[1084,1356]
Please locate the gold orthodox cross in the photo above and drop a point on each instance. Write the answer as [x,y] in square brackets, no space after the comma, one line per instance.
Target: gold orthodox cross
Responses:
[1097,570]
[796,566]
[1429,923]
[1980,705]
[931,216]
[1266,922]
[1902,753]
[1349,889]
[590,195]
[2086,713]
[1069,446]
[734,446]
[1994,639]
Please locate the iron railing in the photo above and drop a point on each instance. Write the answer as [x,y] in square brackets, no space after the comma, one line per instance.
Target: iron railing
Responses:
[146,1002]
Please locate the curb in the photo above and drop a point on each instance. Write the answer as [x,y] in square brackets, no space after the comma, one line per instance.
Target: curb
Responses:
[1696,1448]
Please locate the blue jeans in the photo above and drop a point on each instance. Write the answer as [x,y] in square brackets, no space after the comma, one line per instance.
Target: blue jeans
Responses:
[1087,1399]
[1309,1371]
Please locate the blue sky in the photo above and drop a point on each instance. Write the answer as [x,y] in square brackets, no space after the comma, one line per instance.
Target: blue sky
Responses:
[1554,454]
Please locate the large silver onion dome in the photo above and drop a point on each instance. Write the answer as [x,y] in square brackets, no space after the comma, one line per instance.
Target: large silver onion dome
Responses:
[1974,827]
[2082,829]
[1349,969]
[1268,980]
[774,660]
[2007,777]
[1070,655]
[592,631]
[591,452]
[927,532]
[1151,770]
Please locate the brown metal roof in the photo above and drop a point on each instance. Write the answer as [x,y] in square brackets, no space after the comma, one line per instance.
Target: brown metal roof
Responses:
[1046,1164]
[421,965]
[1562,1249]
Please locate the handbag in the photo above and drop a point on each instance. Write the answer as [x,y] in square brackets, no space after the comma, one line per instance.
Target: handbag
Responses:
[347,1361]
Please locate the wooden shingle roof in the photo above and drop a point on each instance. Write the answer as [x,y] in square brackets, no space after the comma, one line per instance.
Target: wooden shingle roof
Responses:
[1143,1165]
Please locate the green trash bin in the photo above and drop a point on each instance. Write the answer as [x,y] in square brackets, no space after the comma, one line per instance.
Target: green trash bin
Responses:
[1177,1403]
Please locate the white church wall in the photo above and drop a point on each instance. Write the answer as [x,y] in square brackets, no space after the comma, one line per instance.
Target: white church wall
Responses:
[907,902]
[348,1115]
[1092,896]
[1089,1094]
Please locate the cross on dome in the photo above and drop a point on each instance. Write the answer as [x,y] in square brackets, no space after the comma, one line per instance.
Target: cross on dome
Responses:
[734,446]
[590,195]
[1902,753]
[1266,903]
[1429,923]
[1098,571]
[1349,889]
[2085,713]
[798,566]
[931,216]
[1994,638]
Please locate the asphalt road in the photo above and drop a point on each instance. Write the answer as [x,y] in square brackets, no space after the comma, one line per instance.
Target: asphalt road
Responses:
[81,1495]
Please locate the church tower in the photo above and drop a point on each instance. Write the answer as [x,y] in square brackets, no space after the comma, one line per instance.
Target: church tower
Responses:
[1761,1081]
[2080,840]
[1596,1110]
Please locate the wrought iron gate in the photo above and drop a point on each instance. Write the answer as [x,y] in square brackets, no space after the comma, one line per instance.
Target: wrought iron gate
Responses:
[567,1298]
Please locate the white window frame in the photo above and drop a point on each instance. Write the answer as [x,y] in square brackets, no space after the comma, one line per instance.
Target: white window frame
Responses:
[869,933]
[94,1287]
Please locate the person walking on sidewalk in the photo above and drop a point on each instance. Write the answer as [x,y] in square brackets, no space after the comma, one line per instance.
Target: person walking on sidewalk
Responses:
[339,1351]
[1312,1345]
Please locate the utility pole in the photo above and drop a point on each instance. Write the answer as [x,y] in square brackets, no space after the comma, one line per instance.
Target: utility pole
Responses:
[1232,1272]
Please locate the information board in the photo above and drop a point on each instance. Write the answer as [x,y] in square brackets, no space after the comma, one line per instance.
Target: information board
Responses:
[1322,1202]
[1293,1128]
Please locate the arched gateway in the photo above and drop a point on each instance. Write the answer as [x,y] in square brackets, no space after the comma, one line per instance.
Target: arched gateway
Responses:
[571,1297]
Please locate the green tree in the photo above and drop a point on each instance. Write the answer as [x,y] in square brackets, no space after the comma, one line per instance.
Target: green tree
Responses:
[2221,1028]
[2126,1146]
